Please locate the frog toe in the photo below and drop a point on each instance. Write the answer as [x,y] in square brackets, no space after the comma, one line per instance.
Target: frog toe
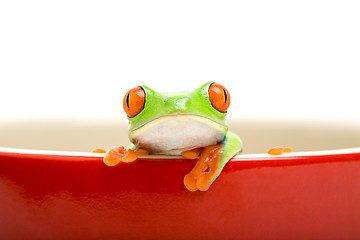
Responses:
[190,182]
[117,155]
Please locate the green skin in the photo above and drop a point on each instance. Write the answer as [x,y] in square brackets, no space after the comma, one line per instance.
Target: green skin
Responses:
[196,103]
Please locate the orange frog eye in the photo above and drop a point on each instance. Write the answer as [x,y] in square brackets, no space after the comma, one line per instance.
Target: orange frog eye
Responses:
[134,101]
[219,97]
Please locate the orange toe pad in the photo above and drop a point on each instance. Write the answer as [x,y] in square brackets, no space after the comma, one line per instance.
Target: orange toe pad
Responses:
[119,154]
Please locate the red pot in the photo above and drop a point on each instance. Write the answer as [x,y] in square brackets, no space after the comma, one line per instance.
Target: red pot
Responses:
[59,195]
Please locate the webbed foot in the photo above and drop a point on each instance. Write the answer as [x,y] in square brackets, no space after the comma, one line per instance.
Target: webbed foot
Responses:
[117,155]
[205,170]
[279,150]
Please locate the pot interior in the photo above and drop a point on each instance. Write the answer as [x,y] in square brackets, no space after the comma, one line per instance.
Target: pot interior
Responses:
[258,135]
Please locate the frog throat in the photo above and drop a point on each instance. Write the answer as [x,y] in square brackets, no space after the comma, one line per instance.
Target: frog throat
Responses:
[172,134]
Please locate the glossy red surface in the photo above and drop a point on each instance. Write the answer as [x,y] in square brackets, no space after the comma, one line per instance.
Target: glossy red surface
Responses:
[68,197]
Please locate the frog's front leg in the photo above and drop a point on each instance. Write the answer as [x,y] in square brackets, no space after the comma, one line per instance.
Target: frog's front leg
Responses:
[211,162]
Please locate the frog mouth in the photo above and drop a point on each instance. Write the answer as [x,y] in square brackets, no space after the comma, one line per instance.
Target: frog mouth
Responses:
[173,134]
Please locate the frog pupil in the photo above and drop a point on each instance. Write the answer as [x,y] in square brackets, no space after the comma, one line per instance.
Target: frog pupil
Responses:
[225,95]
[127,100]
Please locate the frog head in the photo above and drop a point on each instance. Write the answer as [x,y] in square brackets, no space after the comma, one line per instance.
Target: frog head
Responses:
[176,117]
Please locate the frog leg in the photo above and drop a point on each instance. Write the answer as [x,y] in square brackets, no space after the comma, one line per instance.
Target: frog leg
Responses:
[139,151]
[211,162]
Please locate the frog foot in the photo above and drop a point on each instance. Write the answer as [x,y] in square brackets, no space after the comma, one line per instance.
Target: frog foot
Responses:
[99,150]
[279,150]
[119,154]
[205,170]
[192,154]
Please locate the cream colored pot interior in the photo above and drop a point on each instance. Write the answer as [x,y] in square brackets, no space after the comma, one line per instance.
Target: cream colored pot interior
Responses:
[258,135]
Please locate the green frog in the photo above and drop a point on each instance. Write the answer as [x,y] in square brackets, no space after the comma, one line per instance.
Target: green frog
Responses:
[191,124]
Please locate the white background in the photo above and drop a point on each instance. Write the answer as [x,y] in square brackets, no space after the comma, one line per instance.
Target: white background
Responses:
[278,59]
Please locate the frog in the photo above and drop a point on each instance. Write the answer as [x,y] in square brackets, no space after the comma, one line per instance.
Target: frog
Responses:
[190,124]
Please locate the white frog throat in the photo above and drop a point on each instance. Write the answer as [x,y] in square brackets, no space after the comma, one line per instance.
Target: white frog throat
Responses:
[173,134]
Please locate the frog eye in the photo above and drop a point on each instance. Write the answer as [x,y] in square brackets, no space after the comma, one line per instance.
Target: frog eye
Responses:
[134,101]
[219,97]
